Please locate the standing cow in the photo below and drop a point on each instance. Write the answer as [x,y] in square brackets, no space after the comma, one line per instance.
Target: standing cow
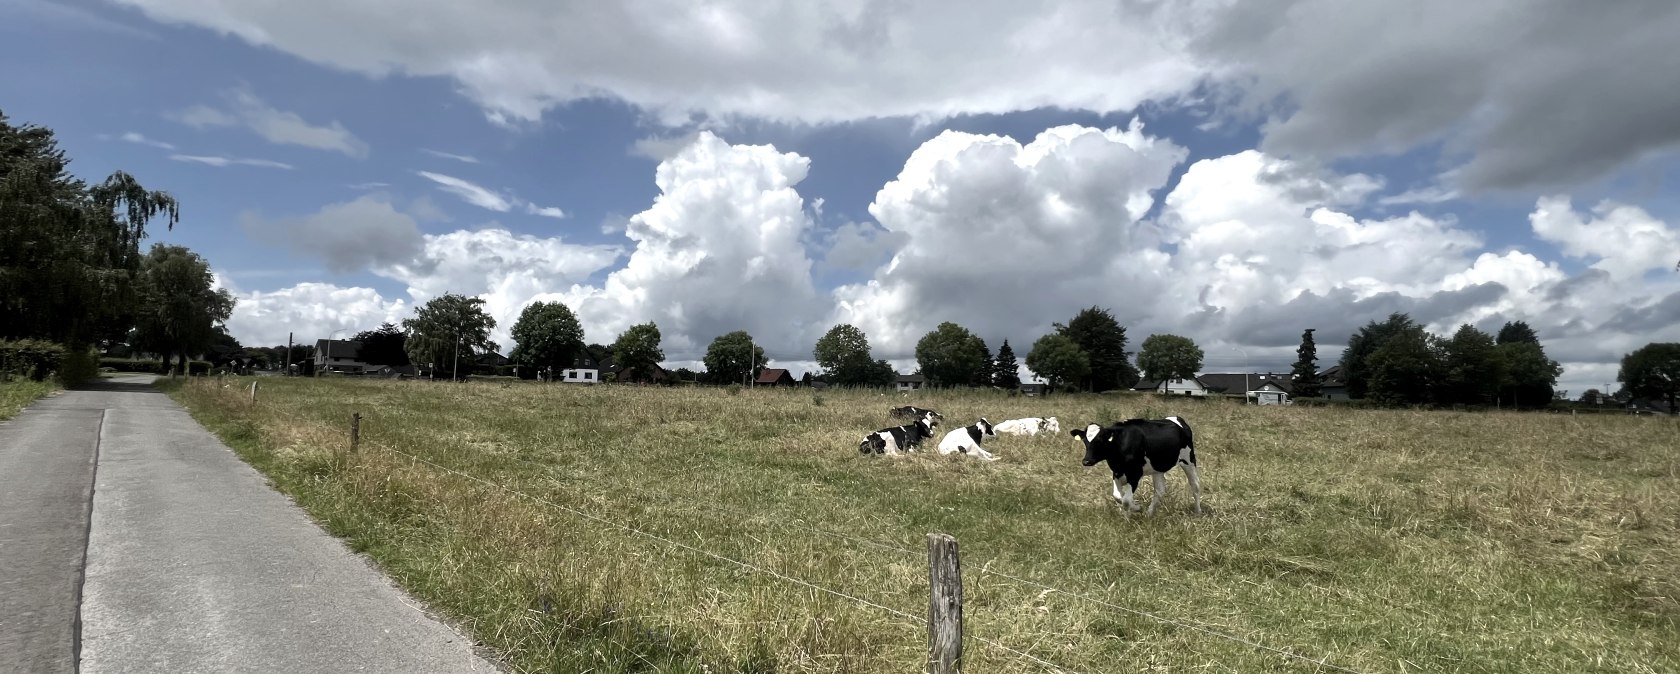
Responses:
[1138,447]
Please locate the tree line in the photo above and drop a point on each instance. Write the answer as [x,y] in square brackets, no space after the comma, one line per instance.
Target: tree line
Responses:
[72,271]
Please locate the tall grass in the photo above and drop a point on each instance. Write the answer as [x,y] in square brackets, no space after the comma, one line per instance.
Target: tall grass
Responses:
[1376,540]
[17,393]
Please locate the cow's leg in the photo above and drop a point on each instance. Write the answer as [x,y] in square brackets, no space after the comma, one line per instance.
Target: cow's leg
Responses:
[1195,484]
[1126,492]
[983,454]
[1159,480]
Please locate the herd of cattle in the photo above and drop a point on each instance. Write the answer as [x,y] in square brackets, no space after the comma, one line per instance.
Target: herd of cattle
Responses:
[1133,448]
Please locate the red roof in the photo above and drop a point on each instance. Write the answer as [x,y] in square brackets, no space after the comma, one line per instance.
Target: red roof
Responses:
[772,375]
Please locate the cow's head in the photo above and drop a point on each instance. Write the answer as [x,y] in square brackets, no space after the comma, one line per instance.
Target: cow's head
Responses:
[931,417]
[1050,425]
[924,425]
[985,428]
[1093,437]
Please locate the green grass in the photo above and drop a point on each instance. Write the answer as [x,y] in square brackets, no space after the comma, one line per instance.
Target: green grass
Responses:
[19,393]
[1378,540]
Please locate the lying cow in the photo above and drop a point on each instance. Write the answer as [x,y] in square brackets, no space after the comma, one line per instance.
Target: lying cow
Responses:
[898,438]
[1030,426]
[967,440]
[1138,447]
[914,412]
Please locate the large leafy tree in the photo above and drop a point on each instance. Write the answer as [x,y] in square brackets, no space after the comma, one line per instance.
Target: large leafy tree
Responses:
[1529,373]
[1406,369]
[449,329]
[1304,379]
[1169,357]
[1104,341]
[730,356]
[69,252]
[637,350]
[547,335]
[1006,371]
[180,311]
[1652,371]
[383,345]
[1517,331]
[1362,344]
[1474,368]
[843,353]
[1058,359]
[950,355]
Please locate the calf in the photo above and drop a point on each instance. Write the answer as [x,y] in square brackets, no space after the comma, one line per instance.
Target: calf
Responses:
[1138,447]
[967,439]
[898,438]
[1030,426]
[914,412]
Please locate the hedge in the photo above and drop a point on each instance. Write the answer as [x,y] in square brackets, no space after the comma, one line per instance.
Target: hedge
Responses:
[32,358]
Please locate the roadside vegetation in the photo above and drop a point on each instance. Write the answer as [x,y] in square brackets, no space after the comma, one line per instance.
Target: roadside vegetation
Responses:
[1376,540]
[16,394]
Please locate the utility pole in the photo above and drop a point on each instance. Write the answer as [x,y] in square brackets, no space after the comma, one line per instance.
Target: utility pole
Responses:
[288,362]
[752,362]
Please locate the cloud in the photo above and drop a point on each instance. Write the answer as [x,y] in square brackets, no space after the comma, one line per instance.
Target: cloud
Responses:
[69,17]
[276,126]
[450,155]
[1521,94]
[545,211]
[369,186]
[136,138]
[661,147]
[1624,240]
[471,193]
[307,312]
[223,162]
[348,236]
[859,246]
[719,250]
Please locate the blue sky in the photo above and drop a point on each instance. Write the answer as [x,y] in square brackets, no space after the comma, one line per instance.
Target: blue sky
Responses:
[314,130]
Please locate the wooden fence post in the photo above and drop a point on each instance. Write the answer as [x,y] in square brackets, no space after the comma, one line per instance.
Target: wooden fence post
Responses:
[944,606]
[253,393]
[355,431]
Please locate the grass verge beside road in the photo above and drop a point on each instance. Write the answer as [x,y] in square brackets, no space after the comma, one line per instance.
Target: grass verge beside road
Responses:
[19,393]
[1376,540]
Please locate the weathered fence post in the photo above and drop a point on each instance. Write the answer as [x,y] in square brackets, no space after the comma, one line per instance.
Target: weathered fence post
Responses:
[945,630]
[355,431]
[253,393]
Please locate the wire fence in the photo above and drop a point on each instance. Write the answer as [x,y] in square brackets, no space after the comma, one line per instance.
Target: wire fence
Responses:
[985,569]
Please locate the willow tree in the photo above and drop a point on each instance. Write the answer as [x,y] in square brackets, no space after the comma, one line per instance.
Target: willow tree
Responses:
[446,328]
[180,311]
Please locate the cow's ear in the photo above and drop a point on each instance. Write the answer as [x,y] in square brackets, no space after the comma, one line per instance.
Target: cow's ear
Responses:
[1077,432]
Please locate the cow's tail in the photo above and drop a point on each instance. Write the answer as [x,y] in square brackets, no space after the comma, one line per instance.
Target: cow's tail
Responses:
[1189,438]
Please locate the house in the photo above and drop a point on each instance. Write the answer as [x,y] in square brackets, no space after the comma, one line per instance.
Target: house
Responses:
[774,377]
[657,375]
[1334,384]
[339,355]
[584,370]
[1263,389]
[910,382]
[1177,387]
[1034,388]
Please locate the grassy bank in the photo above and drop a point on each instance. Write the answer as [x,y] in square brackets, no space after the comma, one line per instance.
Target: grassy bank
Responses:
[1377,540]
[19,392]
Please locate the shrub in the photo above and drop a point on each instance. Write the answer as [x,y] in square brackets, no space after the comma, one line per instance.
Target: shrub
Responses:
[132,365]
[734,389]
[198,367]
[78,366]
[32,358]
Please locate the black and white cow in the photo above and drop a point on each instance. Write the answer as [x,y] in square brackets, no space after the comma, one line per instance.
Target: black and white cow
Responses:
[898,438]
[967,440]
[1138,447]
[914,412]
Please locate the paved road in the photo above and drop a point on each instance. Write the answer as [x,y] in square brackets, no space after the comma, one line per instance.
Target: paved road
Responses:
[193,564]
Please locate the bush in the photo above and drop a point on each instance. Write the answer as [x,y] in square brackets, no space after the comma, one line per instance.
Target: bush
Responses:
[198,367]
[31,358]
[78,366]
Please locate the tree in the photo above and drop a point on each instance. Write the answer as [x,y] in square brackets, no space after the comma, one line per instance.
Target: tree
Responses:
[637,351]
[180,311]
[1406,369]
[1058,359]
[1169,357]
[1515,332]
[1104,341]
[1006,372]
[843,353]
[448,329]
[1474,369]
[546,336]
[982,375]
[383,345]
[1366,342]
[1529,374]
[1652,371]
[730,356]
[950,355]
[1593,397]
[1304,375]
[71,256]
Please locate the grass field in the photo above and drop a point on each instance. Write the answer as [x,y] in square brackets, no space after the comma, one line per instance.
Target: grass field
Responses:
[18,393]
[1378,541]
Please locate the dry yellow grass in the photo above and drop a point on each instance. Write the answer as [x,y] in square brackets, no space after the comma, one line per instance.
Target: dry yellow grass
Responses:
[1374,540]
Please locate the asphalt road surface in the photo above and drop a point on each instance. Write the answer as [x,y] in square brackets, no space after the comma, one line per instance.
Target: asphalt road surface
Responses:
[132,540]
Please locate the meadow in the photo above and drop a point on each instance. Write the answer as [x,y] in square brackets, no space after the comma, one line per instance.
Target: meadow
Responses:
[631,529]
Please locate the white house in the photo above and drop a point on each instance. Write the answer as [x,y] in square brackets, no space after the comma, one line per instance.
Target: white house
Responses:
[910,382]
[580,375]
[339,355]
[1192,386]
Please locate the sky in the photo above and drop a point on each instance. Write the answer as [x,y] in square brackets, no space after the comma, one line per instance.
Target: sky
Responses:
[1231,172]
